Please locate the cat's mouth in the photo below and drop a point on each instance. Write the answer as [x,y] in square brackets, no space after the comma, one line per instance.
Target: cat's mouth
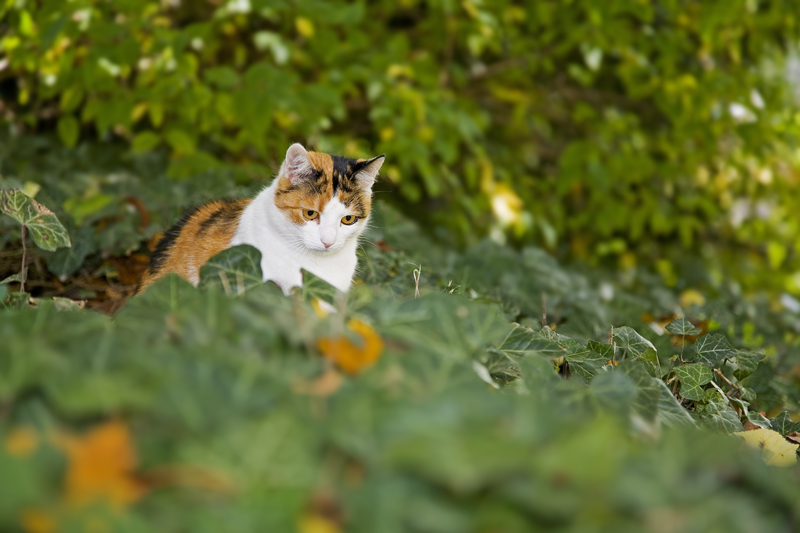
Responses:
[325,251]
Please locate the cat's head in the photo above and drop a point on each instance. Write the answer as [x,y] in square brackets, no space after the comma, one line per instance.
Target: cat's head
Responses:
[325,199]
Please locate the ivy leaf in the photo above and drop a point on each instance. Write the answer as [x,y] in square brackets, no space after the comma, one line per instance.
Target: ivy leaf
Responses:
[522,341]
[783,424]
[743,405]
[16,278]
[717,414]
[747,362]
[583,362]
[236,270]
[502,367]
[44,227]
[614,391]
[681,326]
[713,348]
[714,401]
[758,419]
[670,412]
[654,401]
[67,261]
[315,288]
[724,421]
[638,348]
[692,377]
[606,350]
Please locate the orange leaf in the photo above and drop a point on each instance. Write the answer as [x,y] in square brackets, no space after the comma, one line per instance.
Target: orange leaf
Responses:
[101,466]
[350,357]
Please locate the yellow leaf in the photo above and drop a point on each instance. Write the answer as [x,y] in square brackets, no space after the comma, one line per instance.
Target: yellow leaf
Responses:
[31,189]
[350,357]
[22,442]
[387,133]
[776,253]
[316,524]
[37,521]
[319,308]
[138,112]
[101,466]
[507,206]
[304,27]
[691,297]
[775,450]
[397,70]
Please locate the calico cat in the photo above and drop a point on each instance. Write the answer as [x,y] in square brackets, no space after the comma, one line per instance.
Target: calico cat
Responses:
[310,217]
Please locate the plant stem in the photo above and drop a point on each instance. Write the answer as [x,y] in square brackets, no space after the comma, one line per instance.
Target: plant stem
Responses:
[544,310]
[726,380]
[24,254]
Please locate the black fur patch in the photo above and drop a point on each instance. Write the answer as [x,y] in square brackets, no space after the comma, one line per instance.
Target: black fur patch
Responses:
[224,215]
[162,250]
[342,173]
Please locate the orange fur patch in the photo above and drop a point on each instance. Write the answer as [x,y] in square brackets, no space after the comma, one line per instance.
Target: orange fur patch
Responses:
[195,240]
[315,193]
[322,162]
[293,201]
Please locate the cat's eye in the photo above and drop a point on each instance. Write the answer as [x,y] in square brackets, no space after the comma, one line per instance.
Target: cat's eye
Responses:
[349,220]
[310,214]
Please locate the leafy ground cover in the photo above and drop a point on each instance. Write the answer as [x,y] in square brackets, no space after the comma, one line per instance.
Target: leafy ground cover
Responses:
[463,384]
[438,398]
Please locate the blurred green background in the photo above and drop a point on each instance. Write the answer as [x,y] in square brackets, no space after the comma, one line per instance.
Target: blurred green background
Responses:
[627,167]
[619,132]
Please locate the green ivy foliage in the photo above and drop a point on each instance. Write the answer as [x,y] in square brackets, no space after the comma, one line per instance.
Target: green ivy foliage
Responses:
[475,417]
[609,130]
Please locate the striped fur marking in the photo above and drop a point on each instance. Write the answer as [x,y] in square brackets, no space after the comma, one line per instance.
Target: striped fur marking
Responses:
[199,235]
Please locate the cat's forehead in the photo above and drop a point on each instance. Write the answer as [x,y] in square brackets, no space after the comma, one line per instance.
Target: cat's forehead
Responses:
[334,167]
[335,179]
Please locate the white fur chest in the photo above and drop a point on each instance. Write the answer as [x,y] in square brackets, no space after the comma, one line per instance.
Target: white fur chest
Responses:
[284,250]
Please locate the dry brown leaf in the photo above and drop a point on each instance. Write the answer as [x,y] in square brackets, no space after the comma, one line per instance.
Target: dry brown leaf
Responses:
[794,437]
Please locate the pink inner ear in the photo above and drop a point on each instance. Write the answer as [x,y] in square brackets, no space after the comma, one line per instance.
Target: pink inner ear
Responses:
[297,165]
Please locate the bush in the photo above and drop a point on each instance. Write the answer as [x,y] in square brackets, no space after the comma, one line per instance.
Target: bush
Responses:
[610,130]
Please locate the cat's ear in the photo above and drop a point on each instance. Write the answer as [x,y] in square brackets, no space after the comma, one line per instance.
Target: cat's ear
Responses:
[297,166]
[366,171]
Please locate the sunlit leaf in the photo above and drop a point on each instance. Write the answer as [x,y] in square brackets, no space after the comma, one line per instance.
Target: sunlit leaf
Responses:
[44,227]
[775,450]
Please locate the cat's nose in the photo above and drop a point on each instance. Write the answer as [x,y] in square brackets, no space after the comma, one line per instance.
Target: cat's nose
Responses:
[327,244]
